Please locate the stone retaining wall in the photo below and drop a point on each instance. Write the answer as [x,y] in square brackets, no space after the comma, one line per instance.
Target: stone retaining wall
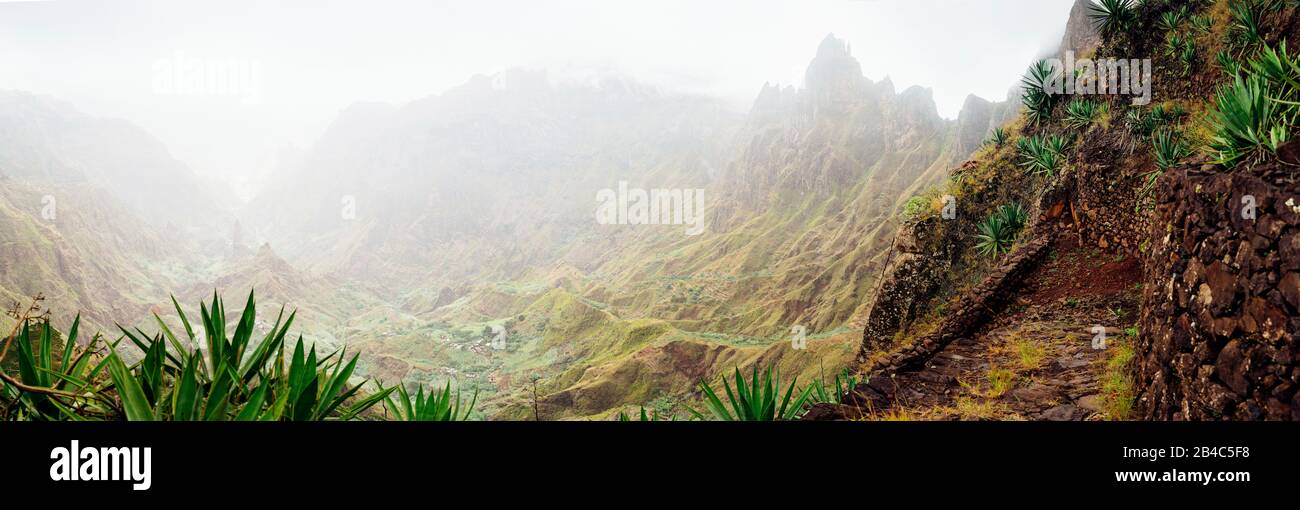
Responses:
[1222,298]
[971,311]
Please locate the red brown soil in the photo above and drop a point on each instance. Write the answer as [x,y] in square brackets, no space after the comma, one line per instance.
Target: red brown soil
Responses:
[1074,272]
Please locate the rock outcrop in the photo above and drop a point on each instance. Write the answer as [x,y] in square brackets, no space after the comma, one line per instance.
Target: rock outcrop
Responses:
[1081,35]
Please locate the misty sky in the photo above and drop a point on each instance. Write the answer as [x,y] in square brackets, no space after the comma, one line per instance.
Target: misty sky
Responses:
[313,58]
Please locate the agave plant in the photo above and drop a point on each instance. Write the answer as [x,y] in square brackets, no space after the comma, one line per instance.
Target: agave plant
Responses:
[1169,21]
[1080,113]
[1137,121]
[644,416]
[1112,17]
[1012,215]
[1187,56]
[230,379]
[756,401]
[1246,28]
[1227,63]
[435,406]
[997,138]
[1038,98]
[1245,124]
[1147,123]
[1169,149]
[1281,70]
[1202,23]
[1162,116]
[995,236]
[833,392]
[1042,155]
[49,387]
[1173,45]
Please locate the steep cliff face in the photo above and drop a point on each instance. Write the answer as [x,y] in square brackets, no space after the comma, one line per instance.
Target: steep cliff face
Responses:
[979,117]
[1081,35]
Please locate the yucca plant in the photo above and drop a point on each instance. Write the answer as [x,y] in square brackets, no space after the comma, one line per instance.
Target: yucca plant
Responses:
[997,138]
[1112,17]
[1080,113]
[435,406]
[756,401]
[1038,98]
[1245,124]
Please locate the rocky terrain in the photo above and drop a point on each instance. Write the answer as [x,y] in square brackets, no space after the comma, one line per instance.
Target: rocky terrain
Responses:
[1137,291]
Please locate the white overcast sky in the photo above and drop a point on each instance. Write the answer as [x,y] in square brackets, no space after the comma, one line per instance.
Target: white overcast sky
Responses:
[315,57]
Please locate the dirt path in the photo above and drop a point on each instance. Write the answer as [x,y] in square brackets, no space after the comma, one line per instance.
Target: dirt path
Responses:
[1036,360]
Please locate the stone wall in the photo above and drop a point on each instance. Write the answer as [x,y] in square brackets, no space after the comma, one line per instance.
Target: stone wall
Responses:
[1102,193]
[968,314]
[1222,297]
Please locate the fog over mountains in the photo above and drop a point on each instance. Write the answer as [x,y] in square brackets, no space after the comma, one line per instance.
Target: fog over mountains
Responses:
[411,231]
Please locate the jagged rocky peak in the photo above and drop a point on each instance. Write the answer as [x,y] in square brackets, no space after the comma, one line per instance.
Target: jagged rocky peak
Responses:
[774,98]
[266,258]
[833,47]
[834,76]
[974,121]
[920,100]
